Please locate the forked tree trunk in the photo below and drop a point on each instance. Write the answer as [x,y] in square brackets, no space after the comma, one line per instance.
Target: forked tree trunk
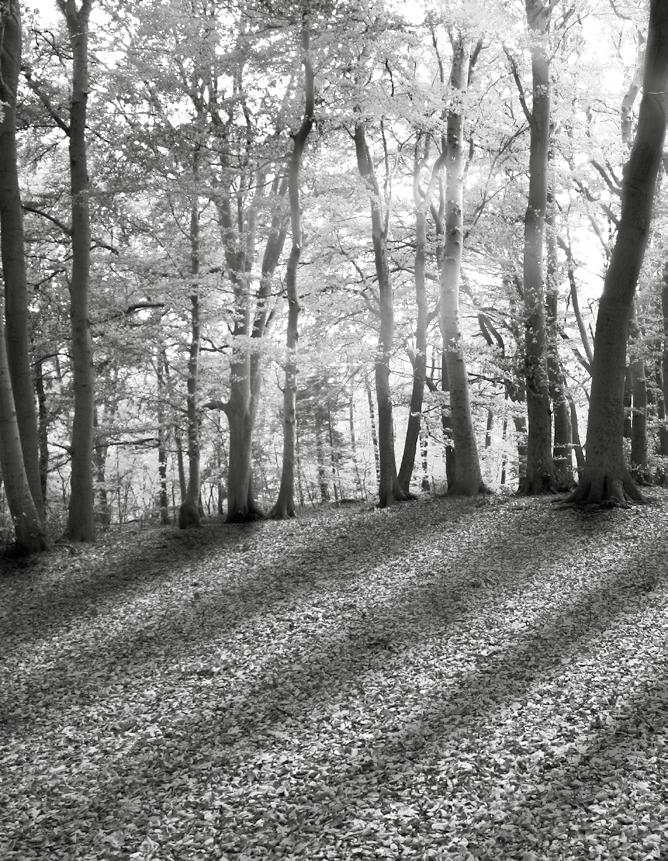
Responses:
[81,517]
[467,479]
[285,504]
[13,255]
[606,477]
[540,476]
[389,490]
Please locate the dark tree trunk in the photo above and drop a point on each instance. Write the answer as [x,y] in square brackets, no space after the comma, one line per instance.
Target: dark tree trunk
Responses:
[606,478]
[81,518]
[13,255]
[323,475]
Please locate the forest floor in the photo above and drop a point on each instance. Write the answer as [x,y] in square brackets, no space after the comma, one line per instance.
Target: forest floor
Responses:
[447,679]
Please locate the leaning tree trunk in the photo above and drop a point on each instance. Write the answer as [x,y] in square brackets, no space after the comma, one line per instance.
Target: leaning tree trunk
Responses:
[13,256]
[540,470]
[285,504]
[81,516]
[28,531]
[606,477]
[389,489]
[467,479]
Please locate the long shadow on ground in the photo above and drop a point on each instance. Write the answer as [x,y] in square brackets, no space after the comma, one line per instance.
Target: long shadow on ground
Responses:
[306,674]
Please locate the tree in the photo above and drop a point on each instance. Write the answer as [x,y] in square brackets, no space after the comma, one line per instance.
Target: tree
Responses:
[81,519]
[389,489]
[19,457]
[13,252]
[540,470]
[606,477]
[467,479]
[285,505]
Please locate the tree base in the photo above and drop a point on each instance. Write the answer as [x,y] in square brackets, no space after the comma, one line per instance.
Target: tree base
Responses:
[248,515]
[538,485]
[189,516]
[606,490]
[282,512]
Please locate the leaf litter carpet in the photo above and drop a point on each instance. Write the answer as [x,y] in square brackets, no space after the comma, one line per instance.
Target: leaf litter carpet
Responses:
[442,680]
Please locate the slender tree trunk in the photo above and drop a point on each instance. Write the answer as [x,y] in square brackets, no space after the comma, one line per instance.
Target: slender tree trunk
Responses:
[419,357]
[359,484]
[81,518]
[577,444]
[374,432]
[163,499]
[467,476]
[285,504]
[389,490]
[540,477]
[562,450]
[43,427]
[13,256]
[606,478]
[323,480]
[189,512]
[639,449]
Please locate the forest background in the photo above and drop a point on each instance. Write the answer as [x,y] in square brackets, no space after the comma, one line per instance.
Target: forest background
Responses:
[279,254]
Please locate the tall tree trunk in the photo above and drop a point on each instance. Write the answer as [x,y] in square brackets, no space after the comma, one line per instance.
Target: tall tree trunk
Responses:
[467,476]
[359,484]
[389,489]
[13,255]
[419,357]
[285,504]
[606,478]
[189,515]
[81,518]
[540,476]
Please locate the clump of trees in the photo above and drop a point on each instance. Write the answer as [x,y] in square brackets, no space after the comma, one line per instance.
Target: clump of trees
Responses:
[282,255]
